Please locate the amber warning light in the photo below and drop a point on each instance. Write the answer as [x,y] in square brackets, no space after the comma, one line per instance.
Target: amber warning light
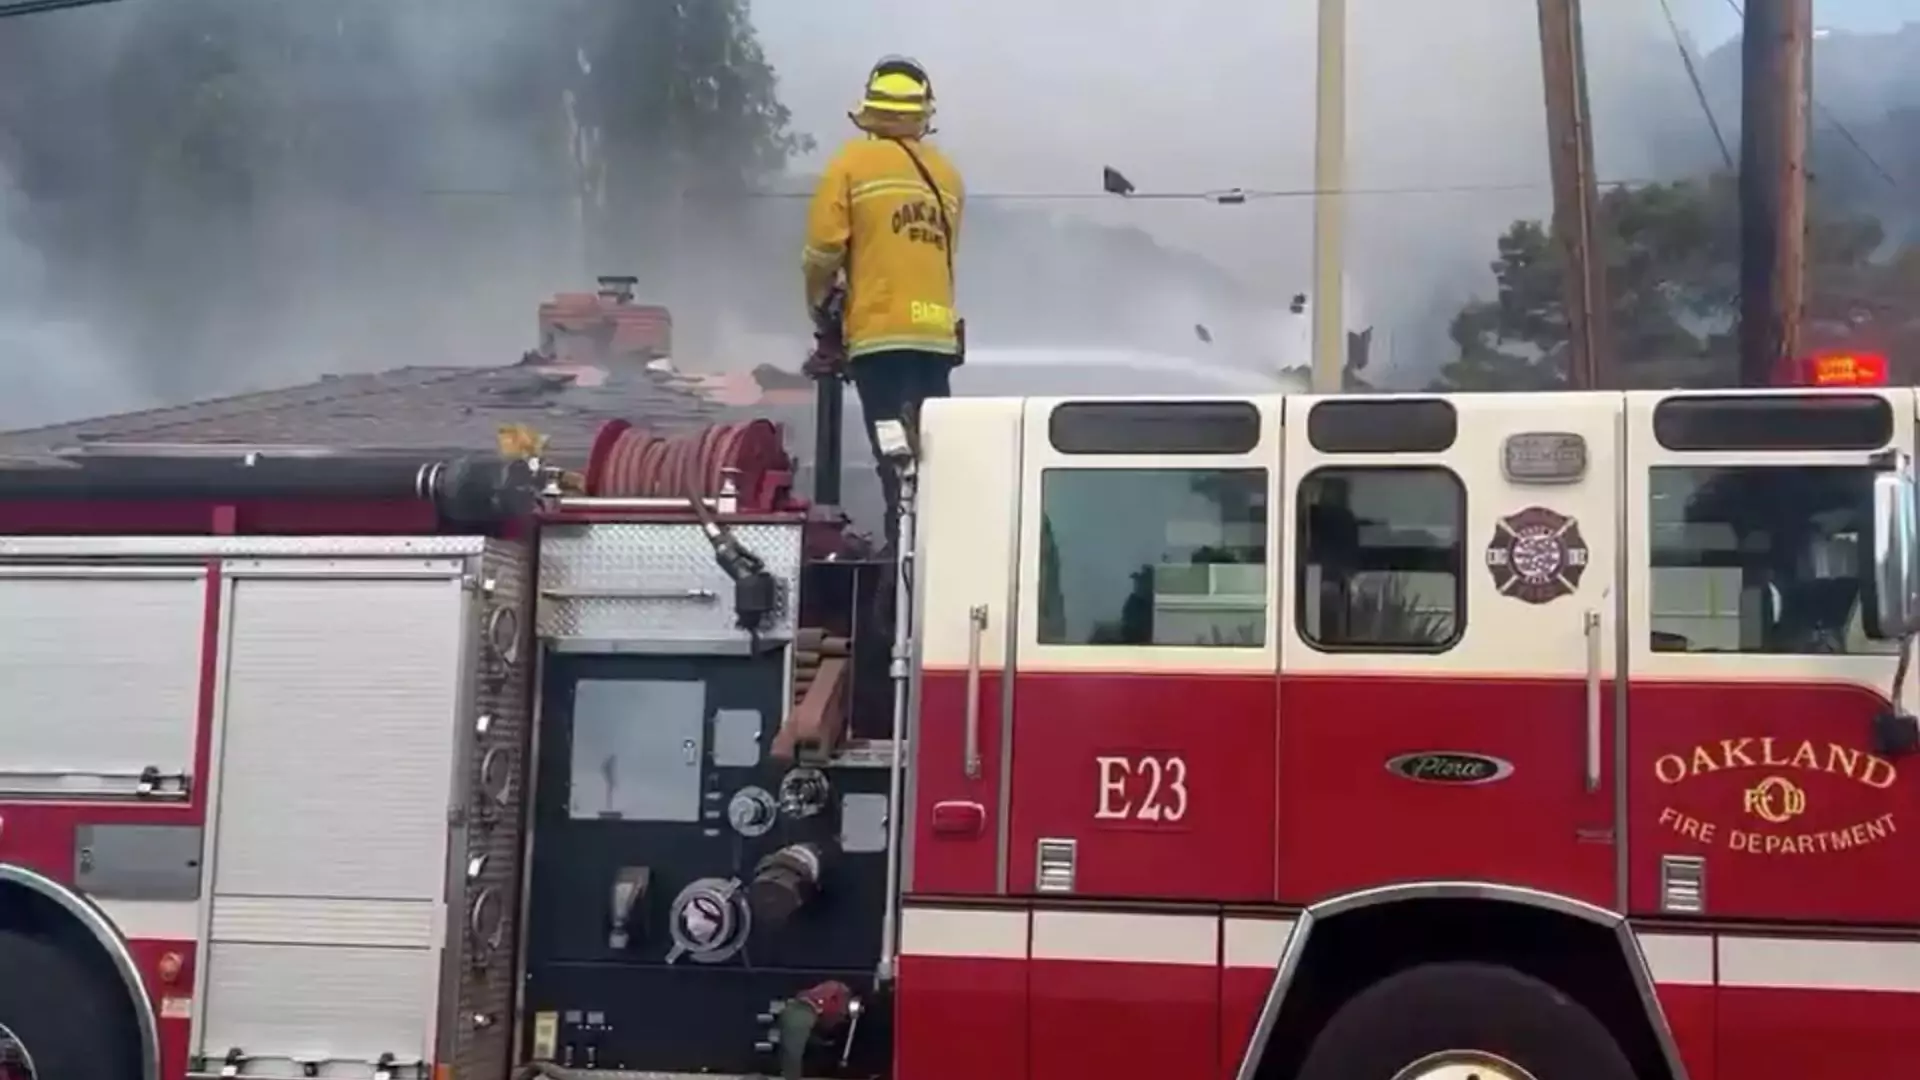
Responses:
[1843,369]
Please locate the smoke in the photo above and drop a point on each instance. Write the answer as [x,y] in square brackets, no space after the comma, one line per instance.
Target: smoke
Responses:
[433,216]
[444,206]
[1220,94]
[55,361]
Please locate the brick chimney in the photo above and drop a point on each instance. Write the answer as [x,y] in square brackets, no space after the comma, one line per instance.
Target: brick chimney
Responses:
[603,328]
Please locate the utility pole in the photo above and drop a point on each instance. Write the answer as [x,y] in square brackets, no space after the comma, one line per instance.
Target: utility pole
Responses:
[1776,43]
[1576,196]
[1329,199]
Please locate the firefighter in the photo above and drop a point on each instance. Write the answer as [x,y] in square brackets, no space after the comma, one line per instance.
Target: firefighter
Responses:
[879,260]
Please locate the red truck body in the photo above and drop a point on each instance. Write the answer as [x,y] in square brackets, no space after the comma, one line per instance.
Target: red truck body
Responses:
[1739,832]
[1226,721]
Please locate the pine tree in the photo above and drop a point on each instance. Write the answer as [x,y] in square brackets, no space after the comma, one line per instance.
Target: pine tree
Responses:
[1672,254]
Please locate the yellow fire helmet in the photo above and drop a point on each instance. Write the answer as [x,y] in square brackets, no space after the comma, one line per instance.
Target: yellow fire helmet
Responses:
[898,86]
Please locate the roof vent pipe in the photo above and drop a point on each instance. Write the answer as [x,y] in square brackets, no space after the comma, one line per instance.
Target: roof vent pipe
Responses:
[617,287]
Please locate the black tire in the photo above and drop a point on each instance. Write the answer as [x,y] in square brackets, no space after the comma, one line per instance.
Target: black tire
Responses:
[1485,1007]
[73,1024]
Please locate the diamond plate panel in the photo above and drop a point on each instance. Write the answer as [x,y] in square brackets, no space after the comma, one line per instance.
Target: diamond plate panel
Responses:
[655,582]
[476,1028]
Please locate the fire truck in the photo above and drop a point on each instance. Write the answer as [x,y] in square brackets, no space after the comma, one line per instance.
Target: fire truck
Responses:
[1383,737]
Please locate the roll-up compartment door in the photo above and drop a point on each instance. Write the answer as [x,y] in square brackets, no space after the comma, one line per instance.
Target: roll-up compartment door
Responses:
[340,724]
[112,652]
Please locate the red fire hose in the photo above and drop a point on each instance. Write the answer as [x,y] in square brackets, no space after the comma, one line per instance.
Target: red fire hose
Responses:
[634,463]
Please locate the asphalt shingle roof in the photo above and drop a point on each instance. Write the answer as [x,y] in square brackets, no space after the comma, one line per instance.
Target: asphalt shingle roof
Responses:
[409,408]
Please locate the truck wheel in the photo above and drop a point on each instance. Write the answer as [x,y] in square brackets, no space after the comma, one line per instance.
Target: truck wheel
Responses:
[71,1025]
[1460,1021]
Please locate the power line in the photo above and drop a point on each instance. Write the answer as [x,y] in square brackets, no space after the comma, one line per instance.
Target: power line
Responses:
[1833,120]
[1693,76]
[36,7]
[1851,140]
[1226,196]
[1222,197]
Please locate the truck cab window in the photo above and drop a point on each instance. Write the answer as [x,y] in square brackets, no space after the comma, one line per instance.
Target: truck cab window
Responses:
[1760,559]
[1153,557]
[1381,559]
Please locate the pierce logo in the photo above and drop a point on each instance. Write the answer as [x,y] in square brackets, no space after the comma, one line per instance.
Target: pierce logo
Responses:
[1450,767]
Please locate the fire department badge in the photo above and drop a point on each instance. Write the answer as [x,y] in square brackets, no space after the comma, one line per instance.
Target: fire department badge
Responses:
[1537,555]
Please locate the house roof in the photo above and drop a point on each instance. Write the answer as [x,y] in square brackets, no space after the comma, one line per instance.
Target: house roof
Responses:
[461,410]
[410,408]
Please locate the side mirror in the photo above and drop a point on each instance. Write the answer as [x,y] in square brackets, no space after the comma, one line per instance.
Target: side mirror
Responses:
[1893,609]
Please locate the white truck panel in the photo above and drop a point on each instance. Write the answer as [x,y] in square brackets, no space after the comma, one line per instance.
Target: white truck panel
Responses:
[284,1004]
[341,717]
[320,670]
[101,670]
[385,924]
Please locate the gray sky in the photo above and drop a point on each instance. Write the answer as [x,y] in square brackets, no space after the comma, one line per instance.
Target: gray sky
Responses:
[1035,97]
[1219,93]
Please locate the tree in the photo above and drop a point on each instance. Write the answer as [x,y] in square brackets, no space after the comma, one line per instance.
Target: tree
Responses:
[1669,253]
[1672,257]
[1871,166]
[683,100]
[160,146]
[674,114]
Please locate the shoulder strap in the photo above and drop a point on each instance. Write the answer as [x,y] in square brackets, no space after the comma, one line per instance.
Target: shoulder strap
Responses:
[939,200]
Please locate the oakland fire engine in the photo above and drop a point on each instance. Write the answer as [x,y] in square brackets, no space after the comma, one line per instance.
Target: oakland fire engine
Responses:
[1356,738]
